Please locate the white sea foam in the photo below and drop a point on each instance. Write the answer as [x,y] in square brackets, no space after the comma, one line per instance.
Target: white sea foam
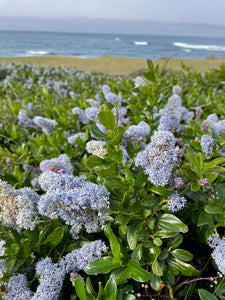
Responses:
[117,39]
[187,50]
[141,43]
[200,47]
[36,53]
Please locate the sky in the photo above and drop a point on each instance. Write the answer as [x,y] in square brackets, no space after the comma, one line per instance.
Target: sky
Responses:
[164,11]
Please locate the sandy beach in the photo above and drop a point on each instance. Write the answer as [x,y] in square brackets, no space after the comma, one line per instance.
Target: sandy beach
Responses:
[111,65]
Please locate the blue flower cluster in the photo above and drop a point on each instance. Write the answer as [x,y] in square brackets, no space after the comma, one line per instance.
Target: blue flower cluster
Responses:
[18,289]
[77,202]
[79,259]
[219,251]
[207,143]
[175,202]
[158,158]
[56,164]
[45,124]
[52,275]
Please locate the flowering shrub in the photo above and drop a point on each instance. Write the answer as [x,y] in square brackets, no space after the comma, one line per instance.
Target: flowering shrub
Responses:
[111,188]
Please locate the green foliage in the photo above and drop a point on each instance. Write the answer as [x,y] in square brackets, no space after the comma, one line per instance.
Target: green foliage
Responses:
[148,245]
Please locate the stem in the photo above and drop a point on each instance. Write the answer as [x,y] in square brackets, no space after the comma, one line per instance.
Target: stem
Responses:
[158,206]
[117,212]
[193,280]
[170,291]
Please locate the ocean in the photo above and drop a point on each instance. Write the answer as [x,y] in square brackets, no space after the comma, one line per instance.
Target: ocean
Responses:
[84,45]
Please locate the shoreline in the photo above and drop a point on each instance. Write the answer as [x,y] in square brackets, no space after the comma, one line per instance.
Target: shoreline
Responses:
[115,65]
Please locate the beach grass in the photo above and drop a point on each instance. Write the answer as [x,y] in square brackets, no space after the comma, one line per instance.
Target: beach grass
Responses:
[111,65]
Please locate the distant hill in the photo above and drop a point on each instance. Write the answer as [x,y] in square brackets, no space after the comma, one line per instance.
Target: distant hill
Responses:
[111,26]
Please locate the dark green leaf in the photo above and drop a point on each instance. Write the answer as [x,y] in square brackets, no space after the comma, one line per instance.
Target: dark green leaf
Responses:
[103,266]
[195,187]
[140,180]
[55,237]
[182,254]
[156,269]
[10,262]
[184,268]
[94,161]
[111,289]
[80,290]
[114,243]
[206,295]
[205,219]
[161,191]
[136,272]
[115,182]
[168,223]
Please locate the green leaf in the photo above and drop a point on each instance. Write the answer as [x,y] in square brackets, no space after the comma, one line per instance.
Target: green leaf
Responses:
[169,225]
[184,268]
[131,233]
[195,187]
[130,297]
[155,282]
[182,254]
[10,262]
[115,182]
[216,161]
[101,266]
[206,295]
[114,244]
[157,241]
[136,272]
[156,269]
[111,289]
[161,191]
[140,180]
[205,219]
[214,208]
[137,253]
[80,290]
[195,164]
[107,119]
[210,176]
[55,237]
[90,288]
[94,161]
[97,132]
[25,250]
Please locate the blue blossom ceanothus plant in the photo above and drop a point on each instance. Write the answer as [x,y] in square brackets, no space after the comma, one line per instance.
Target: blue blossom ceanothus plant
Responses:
[77,202]
[158,158]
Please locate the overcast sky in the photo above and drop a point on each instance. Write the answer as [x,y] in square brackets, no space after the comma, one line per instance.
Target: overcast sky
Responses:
[172,11]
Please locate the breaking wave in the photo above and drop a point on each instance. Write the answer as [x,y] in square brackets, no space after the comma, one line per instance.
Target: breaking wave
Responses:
[200,47]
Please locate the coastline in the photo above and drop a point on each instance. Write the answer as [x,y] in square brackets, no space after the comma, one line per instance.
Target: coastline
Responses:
[113,65]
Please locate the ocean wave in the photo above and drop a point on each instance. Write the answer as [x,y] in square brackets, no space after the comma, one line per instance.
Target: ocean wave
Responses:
[200,47]
[117,39]
[187,50]
[37,53]
[140,43]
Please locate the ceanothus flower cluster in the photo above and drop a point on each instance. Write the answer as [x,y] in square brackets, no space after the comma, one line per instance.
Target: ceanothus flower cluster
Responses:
[207,143]
[25,121]
[175,202]
[77,202]
[18,207]
[79,259]
[96,148]
[18,288]
[137,133]
[72,138]
[57,164]
[219,251]
[46,125]
[81,115]
[51,280]
[52,275]
[158,158]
